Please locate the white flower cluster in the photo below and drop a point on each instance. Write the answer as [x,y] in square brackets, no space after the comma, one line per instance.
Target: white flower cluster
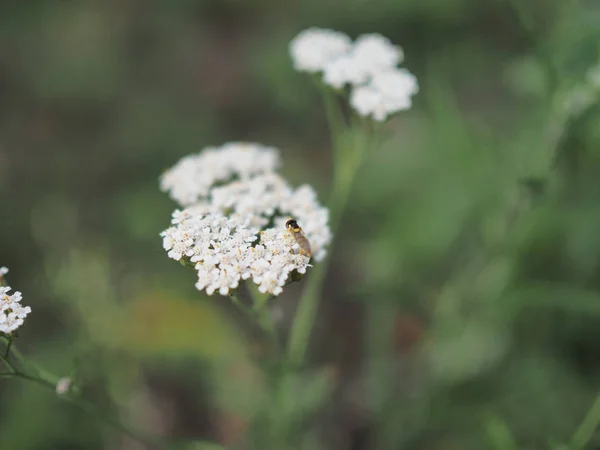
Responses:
[369,65]
[237,232]
[191,179]
[12,313]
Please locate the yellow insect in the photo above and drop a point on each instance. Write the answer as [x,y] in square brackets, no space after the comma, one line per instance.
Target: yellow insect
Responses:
[293,227]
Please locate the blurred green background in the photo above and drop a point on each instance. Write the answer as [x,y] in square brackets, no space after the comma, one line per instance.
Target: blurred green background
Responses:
[462,308]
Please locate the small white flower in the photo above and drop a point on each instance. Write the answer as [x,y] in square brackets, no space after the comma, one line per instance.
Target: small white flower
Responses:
[370,55]
[387,92]
[376,53]
[314,48]
[220,235]
[270,199]
[276,258]
[369,65]
[3,271]
[63,385]
[346,69]
[191,179]
[12,313]
[225,252]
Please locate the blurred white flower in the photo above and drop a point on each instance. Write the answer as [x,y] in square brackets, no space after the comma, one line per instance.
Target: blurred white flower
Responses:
[376,52]
[3,271]
[190,180]
[344,70]
[63,385]
[369,65]
[386,93]
[370,55]
[314,48]
[12,313]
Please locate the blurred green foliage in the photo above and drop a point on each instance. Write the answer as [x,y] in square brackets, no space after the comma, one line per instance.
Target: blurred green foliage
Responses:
[463,303]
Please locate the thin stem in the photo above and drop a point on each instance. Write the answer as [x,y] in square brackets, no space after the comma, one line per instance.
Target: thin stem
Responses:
[333,113]
[8,345]
[586,430]
[305,315]
[543,54]
[48,381]
[237,302]
[261,316]
[345,168]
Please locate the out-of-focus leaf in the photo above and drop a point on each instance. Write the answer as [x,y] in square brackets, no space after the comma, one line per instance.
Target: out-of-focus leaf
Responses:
[158,323]
[527,77]
[203,446]
[468,349]
[555,296]
[302,394]
[500,435]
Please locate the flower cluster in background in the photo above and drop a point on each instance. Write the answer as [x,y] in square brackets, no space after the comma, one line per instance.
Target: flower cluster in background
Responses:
[233,225]
[369,66]
[12,313]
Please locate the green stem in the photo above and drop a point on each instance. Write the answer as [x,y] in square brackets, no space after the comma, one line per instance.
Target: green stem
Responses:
[585,431]
[500,435]
[48,381]
[260,315]
[8,345]
[333,113]
[346,165]
[545,56]
[237,302]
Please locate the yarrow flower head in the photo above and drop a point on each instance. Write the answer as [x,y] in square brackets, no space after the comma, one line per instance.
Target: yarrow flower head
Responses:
[238,233]
[370,55]
[387,93]
[314,48]
[191,179]
[12,313]
[369,66]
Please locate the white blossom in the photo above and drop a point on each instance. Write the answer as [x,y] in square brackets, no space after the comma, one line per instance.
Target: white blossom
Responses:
[369,66]
[191,179]
[269,199]
[370,55]
[224,253]
[276,257]
[314,48]
[386,93]
[12,313]
[63,385]
[3,271]
[343,70]
[376,53]
[239,234]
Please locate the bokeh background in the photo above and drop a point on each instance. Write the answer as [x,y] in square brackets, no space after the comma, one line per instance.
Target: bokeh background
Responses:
[462,307]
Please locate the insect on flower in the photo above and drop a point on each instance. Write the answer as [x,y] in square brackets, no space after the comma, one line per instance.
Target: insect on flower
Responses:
[293,227]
